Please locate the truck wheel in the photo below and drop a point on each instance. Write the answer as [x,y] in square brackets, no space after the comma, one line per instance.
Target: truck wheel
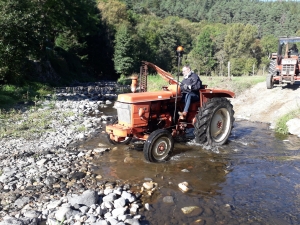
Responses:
[126,141]
[269,81]
[214,122]
[158,146]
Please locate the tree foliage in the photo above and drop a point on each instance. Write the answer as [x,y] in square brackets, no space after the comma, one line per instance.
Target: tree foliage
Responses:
[123,60]
[107,38]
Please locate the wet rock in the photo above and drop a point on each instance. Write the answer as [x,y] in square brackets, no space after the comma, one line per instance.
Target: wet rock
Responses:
[184,187]
[128,159]
[147,206]
[168,199]
[192,210]
[149,185]
[132,222]
[77,175]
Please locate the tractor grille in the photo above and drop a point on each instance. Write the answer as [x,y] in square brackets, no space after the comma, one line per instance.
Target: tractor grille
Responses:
[288,69]
[124,112]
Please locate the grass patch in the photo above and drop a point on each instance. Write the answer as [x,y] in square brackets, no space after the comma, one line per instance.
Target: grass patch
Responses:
[12,94]
[281,126]
[27,125]
[236,84]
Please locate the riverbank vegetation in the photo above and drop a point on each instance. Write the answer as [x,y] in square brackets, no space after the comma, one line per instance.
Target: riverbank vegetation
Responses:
[281,126]
[56,43]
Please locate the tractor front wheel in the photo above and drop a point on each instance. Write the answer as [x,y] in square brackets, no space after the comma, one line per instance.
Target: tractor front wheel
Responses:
[158,146]
[126,140]
[270,83]
[214,122]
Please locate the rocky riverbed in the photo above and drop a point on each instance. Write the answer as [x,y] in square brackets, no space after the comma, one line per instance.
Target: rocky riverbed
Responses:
[49,180]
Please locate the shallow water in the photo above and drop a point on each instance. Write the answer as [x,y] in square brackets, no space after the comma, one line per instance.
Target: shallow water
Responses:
[254,179]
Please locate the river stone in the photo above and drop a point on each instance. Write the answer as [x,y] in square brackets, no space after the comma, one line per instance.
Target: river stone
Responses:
[54,204]
[87,198]
[84,209]
[294,126]
[168,199]
[32,214]
[118,212]
[192,210]
[147,206]
[51,221]
[91,219]
[50,180]
[20,202]
[132,222]
[12,221]
[60,214]
[128,196]
[184,186]
[119,203]
[101,222]
[148,185]
[77,175]
[99,150]
[110,197]
[41,162]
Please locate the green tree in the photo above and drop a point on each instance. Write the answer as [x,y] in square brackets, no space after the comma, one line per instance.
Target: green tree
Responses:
[269,44]
[123,60]
[203,53]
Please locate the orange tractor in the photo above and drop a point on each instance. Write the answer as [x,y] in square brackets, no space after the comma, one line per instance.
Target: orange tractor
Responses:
[285,65]
[152,117]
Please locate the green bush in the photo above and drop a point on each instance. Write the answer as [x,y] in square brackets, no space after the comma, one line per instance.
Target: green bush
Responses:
[281,126]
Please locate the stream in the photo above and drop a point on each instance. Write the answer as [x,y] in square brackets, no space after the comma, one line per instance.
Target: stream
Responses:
[254,179]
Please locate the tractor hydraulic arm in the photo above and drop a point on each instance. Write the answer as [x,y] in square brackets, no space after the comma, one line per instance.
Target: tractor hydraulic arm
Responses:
[165,75]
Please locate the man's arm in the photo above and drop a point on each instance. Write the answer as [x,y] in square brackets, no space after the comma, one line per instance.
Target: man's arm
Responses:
[196,82]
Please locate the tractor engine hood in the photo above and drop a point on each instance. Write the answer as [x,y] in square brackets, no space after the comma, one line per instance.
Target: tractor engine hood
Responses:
[145,96]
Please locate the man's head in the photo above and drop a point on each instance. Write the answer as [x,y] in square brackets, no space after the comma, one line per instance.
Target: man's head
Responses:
[186,71]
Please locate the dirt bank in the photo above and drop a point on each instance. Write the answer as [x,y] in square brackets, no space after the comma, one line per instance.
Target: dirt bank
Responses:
[266,105]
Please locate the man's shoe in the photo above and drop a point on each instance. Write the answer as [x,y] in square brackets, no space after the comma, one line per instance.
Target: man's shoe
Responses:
[182,115]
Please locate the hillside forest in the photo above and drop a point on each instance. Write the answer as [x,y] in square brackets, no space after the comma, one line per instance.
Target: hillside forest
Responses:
[59,41]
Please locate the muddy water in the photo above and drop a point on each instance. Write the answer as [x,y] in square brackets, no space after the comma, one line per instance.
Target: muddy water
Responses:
[254,179]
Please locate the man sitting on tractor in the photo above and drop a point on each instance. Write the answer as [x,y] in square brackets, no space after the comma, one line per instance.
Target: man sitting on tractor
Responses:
[189,86]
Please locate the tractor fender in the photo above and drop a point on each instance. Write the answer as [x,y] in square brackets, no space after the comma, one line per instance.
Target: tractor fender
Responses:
[206,94]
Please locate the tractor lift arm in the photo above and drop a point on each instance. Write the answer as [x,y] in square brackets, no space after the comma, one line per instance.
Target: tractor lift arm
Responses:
[165,75]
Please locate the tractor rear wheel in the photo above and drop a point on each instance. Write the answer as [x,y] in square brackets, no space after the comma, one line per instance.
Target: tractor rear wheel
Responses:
[272,71]
[126,140]
[272,67]
[158,146]
[214,122]
[270,83]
